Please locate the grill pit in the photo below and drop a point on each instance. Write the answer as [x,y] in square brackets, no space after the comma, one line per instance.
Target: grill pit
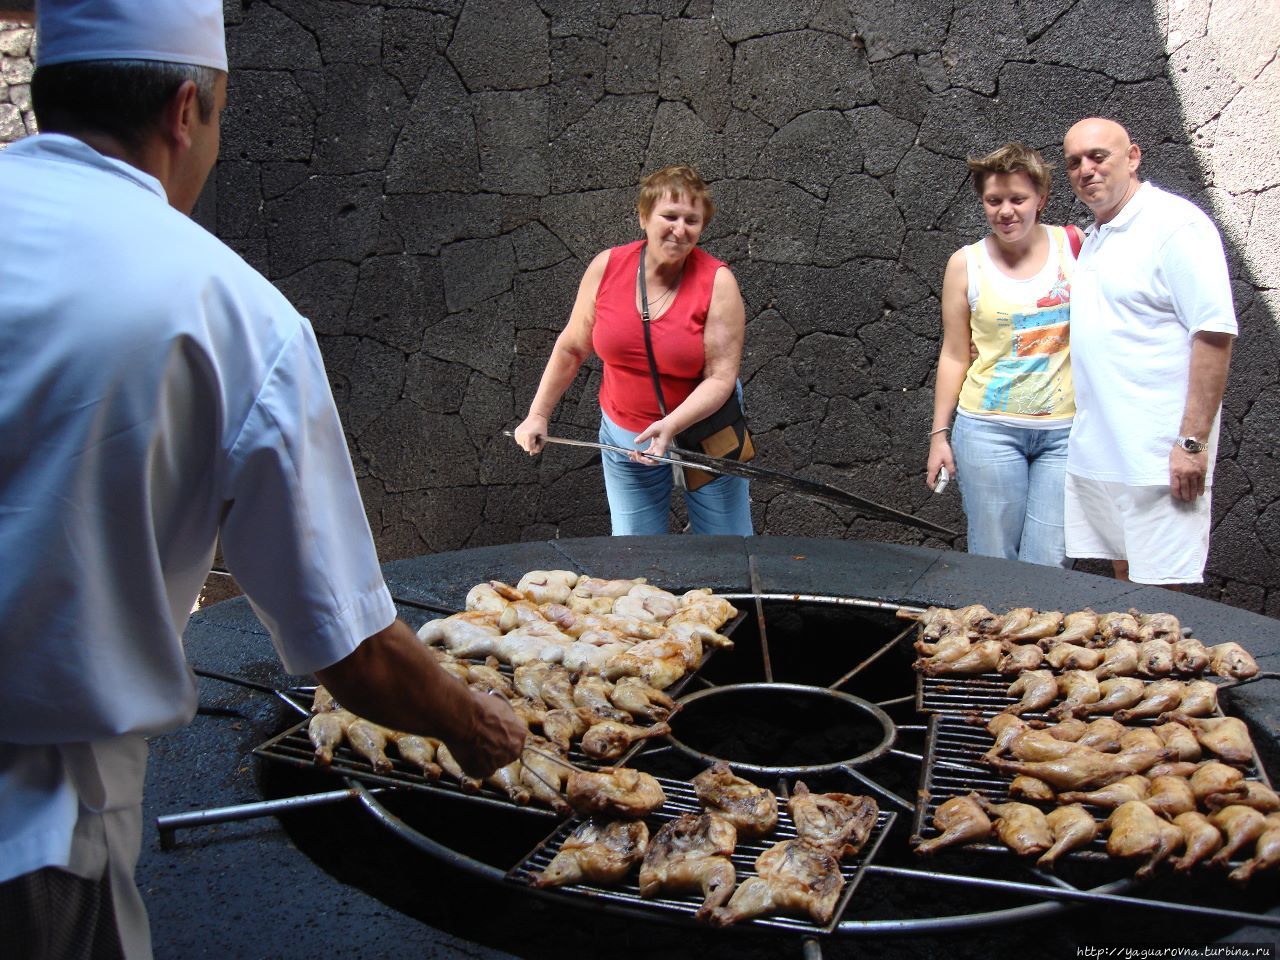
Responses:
[782,729]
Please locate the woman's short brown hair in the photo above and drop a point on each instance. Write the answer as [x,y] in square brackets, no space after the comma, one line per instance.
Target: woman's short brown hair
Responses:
[1012,158]
[677,181]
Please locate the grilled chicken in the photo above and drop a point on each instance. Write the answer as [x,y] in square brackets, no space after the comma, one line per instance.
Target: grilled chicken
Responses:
[327,731]
[597,851]
[1118,693]
[1020,827]
[1170,796]
[959,820]
[1078,628]
[837,822]
[951,647]
[983,657]
[1102,734]
[1180,738]
[1029,788]
[1068,656]
[370,741]
[1073,827]
[562,727]
[487,678]
[1136,831]
[592,694]
[1133,787]
[691,854]
[1019,658]
[1214,777]
[1038,689]
[1247,793]
[420,751]
[647,603]
[1041,625]
[614,791]
[518,613]
[978,619]
[1266,852]
[1199,699]
[1118,626]
[1200,839]
[715,611]
[544,771]
[454,769]
[1013,621]
[641,700]
[1158,626]
[752,809]
[1078,687]
[509,780]
[1227,737]
[485,598]
[1155,658]
[939,622]
[1072,729]
[1118,660]
[794,876]
[1140,738]
[1160,697]
[1190,656]
[609,739]
[596,587]
[469,634]
[1083,770]
[548,586]
[1004,727]
[1240,826]
[322,700]
[1033,744]
[556,688]
[1232,661]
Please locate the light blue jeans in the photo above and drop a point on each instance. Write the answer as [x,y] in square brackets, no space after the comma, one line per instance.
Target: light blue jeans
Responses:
[640,495]
[1011,482]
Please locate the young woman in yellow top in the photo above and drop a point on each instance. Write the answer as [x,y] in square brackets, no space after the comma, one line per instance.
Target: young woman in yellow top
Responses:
[1004,371]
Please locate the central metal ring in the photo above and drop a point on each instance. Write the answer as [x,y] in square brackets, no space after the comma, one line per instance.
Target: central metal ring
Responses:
[889,730]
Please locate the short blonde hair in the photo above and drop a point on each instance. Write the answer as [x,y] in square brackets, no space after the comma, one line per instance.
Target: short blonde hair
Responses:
[676,181]
[1012,158]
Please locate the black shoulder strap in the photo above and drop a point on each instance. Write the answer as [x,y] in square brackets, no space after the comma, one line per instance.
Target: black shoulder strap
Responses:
[648,341]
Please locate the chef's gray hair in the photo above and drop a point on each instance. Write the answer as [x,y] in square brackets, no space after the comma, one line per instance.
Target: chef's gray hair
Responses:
[120,98]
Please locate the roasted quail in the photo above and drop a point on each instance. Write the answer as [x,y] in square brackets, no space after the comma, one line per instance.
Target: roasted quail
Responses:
[691,854]
[1266,852]
[959,820]
[838,822]
[1136,831]
[597,851]
[1232,661]
[752,809]
[794,876]
[614,791]
[1073,827]
[1200,839]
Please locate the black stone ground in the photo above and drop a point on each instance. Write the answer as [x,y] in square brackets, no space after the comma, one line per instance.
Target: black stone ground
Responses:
[243,890]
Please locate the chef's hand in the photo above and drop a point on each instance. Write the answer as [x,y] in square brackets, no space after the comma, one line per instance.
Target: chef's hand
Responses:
[1186,473]
[532,434]
[660,435]
[496,738]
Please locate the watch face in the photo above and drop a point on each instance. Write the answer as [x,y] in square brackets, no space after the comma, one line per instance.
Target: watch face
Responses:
[1191,444]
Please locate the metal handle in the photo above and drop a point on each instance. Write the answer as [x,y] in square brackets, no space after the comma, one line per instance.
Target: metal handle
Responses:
[169,823]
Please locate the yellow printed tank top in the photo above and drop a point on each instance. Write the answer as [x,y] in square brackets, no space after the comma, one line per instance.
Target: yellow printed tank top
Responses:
[1021,329]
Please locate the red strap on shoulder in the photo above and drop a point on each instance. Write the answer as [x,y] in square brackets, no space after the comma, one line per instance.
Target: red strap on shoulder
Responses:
[1075,237]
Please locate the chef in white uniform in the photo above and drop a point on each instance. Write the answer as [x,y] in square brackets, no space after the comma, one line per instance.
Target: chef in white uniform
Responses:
[158,392]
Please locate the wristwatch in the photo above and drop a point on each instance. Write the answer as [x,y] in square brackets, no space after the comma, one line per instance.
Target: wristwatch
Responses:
[1192,445]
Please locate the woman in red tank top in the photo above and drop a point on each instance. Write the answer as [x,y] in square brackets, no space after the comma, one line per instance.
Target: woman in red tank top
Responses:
[697,320]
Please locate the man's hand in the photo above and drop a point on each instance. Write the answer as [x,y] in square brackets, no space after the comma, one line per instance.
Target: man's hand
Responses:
[1186,473]
[498,737]
[532,434]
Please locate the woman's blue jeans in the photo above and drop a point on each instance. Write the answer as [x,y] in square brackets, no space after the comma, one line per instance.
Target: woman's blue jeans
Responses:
[1011,481]
[640,495]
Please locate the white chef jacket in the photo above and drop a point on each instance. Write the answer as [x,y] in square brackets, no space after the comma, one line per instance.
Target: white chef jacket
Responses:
[1145,283]
[157,391]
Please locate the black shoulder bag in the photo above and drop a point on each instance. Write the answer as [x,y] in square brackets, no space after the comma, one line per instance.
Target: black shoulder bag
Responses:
[723,434]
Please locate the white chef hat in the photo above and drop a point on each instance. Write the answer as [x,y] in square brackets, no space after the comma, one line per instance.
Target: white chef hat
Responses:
[175,31]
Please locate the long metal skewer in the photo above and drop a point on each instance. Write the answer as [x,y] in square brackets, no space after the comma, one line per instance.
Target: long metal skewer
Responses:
[169,823]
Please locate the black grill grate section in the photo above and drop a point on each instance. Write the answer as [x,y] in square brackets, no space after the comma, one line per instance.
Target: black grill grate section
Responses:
[681,799]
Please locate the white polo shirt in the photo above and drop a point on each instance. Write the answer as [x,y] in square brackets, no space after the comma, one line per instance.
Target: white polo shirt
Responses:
[1144,285]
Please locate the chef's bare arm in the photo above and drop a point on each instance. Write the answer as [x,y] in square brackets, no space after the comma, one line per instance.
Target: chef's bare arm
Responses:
[392,679]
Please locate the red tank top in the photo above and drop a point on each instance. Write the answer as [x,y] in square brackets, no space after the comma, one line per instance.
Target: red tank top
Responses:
[626,391]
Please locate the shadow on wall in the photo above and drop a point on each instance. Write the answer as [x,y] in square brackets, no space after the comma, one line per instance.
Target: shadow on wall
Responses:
[428,182]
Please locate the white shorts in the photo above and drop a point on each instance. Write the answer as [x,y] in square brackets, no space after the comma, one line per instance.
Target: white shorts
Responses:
[1163,539]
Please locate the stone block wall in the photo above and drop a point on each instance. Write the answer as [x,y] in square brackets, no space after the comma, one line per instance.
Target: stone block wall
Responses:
[16,118]
[427,179]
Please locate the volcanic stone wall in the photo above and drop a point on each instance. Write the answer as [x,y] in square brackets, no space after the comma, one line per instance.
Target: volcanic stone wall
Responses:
[427,180]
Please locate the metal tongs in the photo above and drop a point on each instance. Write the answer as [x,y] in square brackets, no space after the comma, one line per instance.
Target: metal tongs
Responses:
[809,489]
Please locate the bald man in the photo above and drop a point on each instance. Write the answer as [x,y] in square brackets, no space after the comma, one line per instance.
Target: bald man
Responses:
[1152,325]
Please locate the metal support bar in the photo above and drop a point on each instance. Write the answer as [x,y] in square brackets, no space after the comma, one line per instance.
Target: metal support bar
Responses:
[1072,895]
[170,823]
[871,659]
[252,685]
[754,573]
[888,794]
